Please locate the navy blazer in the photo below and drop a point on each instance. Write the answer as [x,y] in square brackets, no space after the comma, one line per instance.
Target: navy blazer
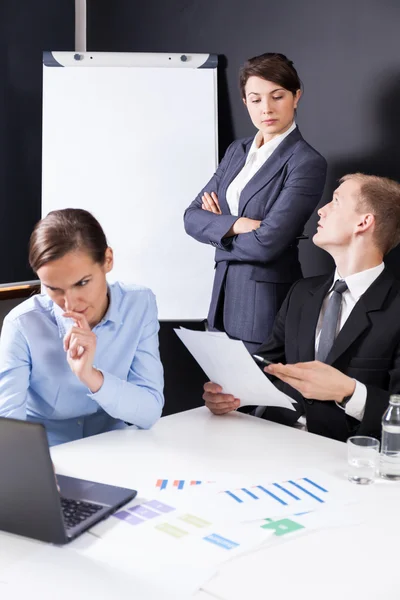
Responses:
[255,270]
[367,348]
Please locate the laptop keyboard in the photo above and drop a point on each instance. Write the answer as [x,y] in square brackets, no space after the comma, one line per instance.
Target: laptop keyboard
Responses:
[76,511]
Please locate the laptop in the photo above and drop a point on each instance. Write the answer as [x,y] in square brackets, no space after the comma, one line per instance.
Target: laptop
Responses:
[30,502]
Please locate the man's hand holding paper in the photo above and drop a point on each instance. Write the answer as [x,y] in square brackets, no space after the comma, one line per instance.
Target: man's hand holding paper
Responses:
[236,379]
[218,402]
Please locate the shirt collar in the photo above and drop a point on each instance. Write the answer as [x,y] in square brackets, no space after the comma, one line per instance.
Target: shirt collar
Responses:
[270,146]
[112,314]
[358,283]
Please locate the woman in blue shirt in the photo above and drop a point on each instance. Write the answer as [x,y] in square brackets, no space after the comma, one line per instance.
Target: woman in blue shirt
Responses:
[83,358]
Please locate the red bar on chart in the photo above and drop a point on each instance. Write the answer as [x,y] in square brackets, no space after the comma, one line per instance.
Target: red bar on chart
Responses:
[179,483]
[162,483]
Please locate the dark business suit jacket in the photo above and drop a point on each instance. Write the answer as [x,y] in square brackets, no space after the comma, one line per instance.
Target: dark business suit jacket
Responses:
[255,270]
[367,348]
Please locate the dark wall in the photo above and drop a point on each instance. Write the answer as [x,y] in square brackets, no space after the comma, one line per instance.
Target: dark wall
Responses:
[26,29]
[347,53]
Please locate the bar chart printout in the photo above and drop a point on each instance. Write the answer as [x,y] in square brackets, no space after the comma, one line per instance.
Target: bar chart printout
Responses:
[177,484]
[162,528]
[284,493]
[269,499]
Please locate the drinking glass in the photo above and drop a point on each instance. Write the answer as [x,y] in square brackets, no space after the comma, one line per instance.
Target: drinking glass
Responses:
[362,458]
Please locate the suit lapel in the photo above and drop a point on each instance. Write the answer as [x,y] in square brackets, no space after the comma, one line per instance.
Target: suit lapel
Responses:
[359,320]
[309,319]
[269,169]
[235,166]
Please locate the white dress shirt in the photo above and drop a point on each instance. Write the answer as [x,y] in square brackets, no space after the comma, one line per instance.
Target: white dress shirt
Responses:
[357,285]
[256,157]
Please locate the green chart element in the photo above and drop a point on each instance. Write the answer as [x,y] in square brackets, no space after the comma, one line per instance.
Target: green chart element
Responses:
[283,526]
[171,530]
[196,521]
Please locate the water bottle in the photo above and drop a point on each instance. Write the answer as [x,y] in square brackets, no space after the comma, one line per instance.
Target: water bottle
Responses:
[389,463]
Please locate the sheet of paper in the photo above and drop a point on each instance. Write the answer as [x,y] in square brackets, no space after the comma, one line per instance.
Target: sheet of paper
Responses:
[245,499]
[172,485]
[277,569]
[178,485]
[157,533]
[220,334]
[228,363]
[62,573]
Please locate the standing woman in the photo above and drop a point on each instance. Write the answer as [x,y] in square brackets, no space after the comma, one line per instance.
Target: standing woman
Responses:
[82,358]
[257,203]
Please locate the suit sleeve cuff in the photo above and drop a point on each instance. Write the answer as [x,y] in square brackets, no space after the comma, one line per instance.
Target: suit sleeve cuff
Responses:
[355,407]
[221,225]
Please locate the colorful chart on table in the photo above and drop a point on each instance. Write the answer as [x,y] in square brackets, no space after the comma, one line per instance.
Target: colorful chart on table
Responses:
[283,526]
[286,493]
[177,484]
[181,526]
[140,513]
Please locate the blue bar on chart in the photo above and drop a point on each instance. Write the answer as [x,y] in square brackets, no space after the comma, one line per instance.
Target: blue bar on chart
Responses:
[300,487]
[280,487]
[315,484]
[177,484]
[234,496]
[273,496]
[162,483]
[249,493]
[285,493]
[221,541]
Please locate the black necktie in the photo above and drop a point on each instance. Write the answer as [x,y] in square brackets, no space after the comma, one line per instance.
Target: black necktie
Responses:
[330,321]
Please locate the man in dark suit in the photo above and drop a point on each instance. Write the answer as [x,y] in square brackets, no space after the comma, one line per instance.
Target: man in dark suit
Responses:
[339,335]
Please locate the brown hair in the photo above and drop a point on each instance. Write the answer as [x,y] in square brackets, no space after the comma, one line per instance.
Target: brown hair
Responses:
[271,66]
[63,231]
[380,196]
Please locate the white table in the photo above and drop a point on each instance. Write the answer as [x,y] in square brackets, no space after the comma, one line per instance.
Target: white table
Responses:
[347,562]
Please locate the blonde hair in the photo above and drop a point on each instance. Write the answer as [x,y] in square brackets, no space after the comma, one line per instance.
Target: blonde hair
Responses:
[381,197]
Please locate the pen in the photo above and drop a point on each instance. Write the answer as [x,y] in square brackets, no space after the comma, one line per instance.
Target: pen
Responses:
[262,360]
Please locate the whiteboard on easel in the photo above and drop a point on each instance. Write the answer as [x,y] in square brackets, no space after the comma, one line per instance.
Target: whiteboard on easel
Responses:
[133,138]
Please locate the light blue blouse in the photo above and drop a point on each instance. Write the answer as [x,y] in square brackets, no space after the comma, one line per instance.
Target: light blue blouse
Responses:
[37,384]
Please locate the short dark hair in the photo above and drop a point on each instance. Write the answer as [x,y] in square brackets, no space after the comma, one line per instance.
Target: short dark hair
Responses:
[270,66]
[63,231]
[380,196]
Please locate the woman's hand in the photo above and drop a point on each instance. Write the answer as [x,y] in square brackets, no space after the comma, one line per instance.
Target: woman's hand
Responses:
[80,346]
[243,225]
[210,203]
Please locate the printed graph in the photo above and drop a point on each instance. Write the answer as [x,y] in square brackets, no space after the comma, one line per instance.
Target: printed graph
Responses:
[177,484]
[286,493]
[181,526]
[139,514]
